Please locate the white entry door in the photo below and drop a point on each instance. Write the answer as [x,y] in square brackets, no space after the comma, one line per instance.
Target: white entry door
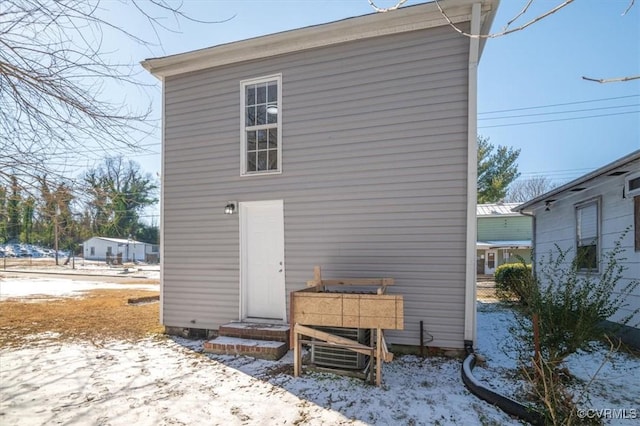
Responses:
[262,260]
[491,260]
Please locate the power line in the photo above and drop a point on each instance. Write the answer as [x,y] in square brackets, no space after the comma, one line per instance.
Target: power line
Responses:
[559,119]
[562,104]
[559,112]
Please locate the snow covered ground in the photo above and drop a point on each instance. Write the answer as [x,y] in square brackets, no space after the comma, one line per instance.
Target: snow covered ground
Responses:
[82,267]
[164,381]
[34,289]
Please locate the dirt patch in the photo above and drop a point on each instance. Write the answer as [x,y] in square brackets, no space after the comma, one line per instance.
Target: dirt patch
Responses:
[100,315]
[143,300]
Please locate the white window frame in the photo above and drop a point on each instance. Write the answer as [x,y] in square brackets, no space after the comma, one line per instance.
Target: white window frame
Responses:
[581,205]
[627,185]
[243,127]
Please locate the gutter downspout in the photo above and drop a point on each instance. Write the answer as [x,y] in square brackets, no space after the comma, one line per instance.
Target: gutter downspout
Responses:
[472,173]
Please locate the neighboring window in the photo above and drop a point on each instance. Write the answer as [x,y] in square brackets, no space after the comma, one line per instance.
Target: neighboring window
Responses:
[588,235]
[491,260]
[93,251]
[109,252]
[261,139]
[632,183]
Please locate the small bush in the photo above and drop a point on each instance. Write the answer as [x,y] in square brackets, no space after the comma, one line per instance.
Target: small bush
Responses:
[513,280]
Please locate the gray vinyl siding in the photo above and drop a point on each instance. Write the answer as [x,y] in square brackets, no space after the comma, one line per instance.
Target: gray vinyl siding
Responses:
[374,171]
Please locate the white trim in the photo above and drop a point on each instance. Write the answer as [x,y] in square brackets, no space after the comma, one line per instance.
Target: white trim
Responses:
[162,197]
[243,134]
[627,181]
[597,201]
[472,172]
[418,17]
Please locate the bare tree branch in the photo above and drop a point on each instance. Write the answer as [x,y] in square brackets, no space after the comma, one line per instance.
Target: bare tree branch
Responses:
[59,81]
[612,80]
[628,7]
[506,30]
[386,9]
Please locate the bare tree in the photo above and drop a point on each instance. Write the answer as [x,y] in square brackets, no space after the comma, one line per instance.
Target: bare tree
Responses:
[55,68]
[524,190]
[508,28]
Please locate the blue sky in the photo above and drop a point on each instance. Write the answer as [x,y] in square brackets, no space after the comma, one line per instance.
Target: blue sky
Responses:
[537,67]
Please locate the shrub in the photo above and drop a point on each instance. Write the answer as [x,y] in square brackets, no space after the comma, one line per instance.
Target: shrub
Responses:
[568,306]
[513,280]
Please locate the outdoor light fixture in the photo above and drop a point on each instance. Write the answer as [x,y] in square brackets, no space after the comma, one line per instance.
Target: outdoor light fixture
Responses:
[230,208]
[272,109]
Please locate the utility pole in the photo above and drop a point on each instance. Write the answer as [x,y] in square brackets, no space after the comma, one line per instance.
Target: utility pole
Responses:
[55,231]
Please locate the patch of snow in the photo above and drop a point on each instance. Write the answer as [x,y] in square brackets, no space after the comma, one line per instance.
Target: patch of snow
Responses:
[170,381]
[44,288]
[225,340]
[256,326]
[161,382]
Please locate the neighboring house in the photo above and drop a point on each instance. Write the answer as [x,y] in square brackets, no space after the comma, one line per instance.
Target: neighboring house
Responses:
[504,236]
[102,248]
[350,145]
[588,215]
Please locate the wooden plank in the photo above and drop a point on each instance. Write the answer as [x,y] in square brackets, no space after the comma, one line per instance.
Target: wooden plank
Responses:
[399,313]
[320,319]
[379,357]
[333,339]
[321,303]
[317,278]
[348,310]
[386,355]
[297,353]
[292,318]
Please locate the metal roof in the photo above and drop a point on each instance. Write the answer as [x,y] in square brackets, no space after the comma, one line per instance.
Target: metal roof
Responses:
[497,209]
[504,244]
[118,240]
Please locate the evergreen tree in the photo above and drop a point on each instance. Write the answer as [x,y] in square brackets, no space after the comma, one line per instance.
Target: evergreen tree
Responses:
[497,168]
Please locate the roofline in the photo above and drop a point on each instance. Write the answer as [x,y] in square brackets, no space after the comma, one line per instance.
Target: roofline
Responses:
[499,215]
[117,240]
[633,156]
[418,17]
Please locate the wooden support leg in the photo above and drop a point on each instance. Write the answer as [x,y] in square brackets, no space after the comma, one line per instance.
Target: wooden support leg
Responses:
[379,357]
[297,355]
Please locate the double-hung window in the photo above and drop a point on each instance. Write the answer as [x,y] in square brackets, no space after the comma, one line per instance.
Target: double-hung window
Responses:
[588,235]
[261,118]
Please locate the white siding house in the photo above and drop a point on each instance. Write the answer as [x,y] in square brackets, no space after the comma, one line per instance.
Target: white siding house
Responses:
[101,248]
[591,213]
[350,145]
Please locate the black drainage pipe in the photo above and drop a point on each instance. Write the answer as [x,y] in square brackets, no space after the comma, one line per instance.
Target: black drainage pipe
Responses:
[506,404]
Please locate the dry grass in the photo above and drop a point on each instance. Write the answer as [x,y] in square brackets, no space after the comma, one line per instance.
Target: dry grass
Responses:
[100,315]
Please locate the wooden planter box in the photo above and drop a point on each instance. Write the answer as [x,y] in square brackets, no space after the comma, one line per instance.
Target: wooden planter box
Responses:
[313,307]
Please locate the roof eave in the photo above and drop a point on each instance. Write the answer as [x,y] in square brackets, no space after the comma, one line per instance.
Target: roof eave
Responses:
[532,204]
[405,19]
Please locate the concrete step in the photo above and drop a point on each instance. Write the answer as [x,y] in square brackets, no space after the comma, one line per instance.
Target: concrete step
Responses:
[256,331]
[263,349]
